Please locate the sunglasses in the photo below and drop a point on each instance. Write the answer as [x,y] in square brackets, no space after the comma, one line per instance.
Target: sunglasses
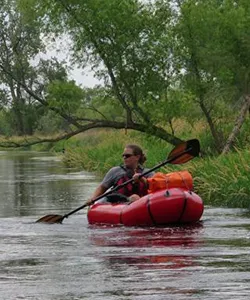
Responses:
[127,155]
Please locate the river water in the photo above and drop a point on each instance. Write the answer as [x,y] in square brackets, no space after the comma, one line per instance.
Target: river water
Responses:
[209,260]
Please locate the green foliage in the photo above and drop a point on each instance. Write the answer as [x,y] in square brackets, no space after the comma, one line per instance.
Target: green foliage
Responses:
[117,38]
[99,103]
[102,150]
[215,34]
[244,137]
[159,63]
[50,123]
[20,43]
[52,70]
[224,181]
[5,125]
[64,95]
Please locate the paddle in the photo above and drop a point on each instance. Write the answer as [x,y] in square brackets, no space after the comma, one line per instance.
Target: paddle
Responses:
[182,153]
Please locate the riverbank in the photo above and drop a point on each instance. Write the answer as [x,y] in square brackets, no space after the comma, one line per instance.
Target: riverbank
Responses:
[220,181]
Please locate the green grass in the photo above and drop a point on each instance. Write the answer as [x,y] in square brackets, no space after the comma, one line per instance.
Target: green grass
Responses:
[224,181]
[104,150]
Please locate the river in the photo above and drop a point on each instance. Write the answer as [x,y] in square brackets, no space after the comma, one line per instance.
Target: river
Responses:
[74,260]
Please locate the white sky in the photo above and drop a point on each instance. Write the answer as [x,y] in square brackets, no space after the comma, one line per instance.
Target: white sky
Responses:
[59,49]
[85,79]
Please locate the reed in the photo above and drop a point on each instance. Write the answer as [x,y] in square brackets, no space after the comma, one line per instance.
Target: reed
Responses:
[104,151]
[224,181]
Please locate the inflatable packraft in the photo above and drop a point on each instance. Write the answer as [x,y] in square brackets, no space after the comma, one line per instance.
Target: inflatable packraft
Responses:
[170,201]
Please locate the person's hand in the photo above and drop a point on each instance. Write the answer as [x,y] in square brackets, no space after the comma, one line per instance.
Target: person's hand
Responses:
[136,177]
[89,202]
[134,197]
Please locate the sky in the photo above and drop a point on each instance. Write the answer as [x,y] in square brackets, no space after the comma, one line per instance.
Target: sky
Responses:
[59,49]
[85,79]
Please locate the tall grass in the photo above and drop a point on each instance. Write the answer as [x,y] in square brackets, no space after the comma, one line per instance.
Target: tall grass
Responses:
[225,180]
[103,150]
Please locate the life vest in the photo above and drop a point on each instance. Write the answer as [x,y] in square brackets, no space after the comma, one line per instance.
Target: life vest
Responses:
[139,188]
[160,181]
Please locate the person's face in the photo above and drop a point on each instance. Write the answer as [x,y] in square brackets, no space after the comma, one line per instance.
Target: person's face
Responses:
[129,158]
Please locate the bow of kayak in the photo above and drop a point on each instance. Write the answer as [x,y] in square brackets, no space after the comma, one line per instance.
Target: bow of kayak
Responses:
[163,207]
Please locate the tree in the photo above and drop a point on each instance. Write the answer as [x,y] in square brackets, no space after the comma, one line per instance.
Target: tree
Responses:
[159,60]
[213,49]
[19,42]
[128,42]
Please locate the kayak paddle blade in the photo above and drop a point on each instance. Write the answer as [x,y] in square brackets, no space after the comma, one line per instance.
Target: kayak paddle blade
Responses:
[184,152]
[51,219]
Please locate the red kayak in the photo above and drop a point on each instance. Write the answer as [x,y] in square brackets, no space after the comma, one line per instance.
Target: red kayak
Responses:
[162,207]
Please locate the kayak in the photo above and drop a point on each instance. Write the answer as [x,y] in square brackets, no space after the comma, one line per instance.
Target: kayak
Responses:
[162,207]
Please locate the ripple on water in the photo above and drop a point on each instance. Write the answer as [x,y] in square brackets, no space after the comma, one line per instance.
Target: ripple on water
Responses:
[77,261]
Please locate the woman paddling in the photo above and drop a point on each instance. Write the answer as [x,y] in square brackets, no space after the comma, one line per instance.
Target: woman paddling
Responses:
[132,167]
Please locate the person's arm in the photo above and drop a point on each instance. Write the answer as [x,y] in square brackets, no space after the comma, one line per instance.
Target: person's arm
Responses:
[107,182]
[98,192]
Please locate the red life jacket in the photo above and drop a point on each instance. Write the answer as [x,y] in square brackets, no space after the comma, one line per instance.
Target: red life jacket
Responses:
[140,188]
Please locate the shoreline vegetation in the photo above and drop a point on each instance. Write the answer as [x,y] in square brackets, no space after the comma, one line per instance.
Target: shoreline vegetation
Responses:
[220,180]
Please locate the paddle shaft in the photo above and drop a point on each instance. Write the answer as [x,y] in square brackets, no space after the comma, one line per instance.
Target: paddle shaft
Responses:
[129,181]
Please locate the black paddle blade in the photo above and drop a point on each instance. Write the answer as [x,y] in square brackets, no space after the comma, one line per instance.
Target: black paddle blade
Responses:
[184,152]
[51,219]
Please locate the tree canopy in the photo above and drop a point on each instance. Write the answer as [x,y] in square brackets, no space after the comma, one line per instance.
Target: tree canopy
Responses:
[159,61]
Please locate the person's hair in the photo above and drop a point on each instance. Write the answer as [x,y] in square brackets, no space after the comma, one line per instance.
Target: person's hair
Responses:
[137,151]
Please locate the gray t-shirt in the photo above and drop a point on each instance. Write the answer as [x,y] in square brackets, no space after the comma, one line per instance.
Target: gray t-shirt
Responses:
[115,173]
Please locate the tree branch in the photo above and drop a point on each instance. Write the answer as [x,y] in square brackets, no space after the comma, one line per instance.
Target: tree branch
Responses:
[41,100]
[115,86]
[154,130]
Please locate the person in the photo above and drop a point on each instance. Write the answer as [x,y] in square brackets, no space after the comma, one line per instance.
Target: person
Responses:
[132,167]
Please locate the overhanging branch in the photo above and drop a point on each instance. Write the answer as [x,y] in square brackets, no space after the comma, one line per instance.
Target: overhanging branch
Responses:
[154,130]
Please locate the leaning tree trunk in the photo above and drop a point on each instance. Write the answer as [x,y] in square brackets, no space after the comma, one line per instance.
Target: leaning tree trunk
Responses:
[217,136]
[238,124]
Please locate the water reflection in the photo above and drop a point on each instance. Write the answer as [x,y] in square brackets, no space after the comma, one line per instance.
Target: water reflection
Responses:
[162,242]
[185,236]
[34,183]
[149,261]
